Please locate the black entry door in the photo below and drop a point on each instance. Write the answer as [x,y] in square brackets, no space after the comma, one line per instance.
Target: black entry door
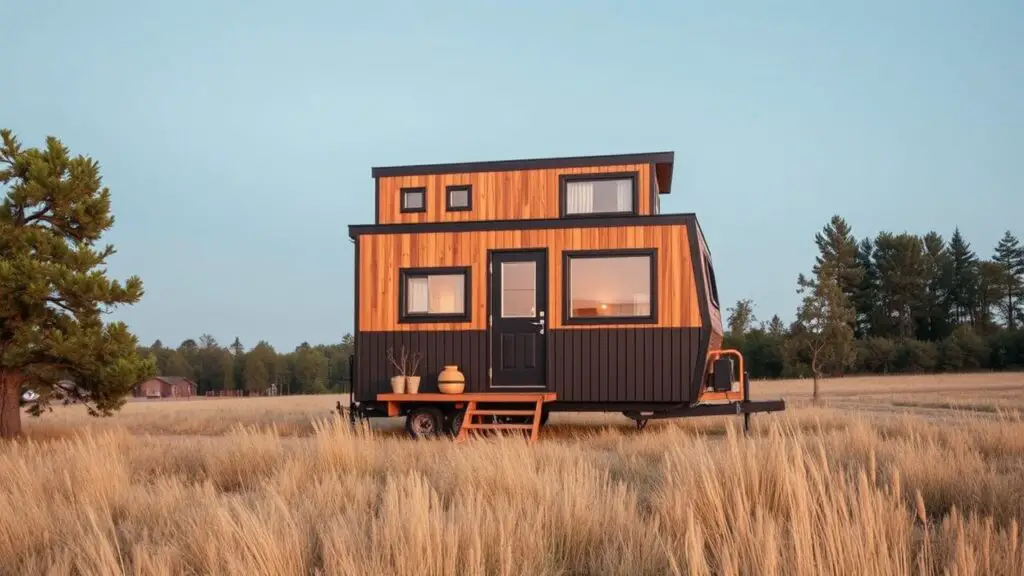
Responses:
[518,315]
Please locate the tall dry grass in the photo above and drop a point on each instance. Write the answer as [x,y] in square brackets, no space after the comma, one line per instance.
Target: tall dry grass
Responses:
[812,491]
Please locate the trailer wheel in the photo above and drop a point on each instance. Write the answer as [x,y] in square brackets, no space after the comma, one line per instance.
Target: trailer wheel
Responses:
[424,422]
[453,422]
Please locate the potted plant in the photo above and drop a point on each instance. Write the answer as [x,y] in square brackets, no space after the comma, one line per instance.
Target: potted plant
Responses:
[412,380]
[398,381]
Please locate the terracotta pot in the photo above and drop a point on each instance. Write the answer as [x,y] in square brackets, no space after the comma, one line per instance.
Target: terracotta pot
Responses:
[451,381]
[398,384]
[412,384]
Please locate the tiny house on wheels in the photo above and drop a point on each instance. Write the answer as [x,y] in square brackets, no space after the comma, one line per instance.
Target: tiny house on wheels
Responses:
[490,294]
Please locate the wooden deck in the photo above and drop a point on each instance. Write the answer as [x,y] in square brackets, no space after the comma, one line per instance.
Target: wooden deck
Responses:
[471,401]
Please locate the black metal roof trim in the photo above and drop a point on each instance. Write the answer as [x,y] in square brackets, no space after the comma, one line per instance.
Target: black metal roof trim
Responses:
[524,164]
[486,225]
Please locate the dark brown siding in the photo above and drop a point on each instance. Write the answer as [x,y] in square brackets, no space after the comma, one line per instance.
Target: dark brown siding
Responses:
[584,365]
[465,348]
[622,364]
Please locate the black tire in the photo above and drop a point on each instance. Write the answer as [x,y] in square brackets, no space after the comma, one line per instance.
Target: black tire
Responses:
[453,422]
[424,422]
[523,419]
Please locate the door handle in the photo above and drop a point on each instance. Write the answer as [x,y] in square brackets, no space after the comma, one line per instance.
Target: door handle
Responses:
[540,323]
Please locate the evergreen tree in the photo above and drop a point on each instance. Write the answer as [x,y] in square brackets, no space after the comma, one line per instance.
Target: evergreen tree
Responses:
[963,279]
[865,300]
[934,322]
[776,327]
[837,258]
[236,347]
[53,285]
[1009,254]
[989,293]
[900,263]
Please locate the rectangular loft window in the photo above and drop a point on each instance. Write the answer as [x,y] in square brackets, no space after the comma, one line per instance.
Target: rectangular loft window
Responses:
[414,199]
[459,198]
[610,287]
[598,194]
[434,295]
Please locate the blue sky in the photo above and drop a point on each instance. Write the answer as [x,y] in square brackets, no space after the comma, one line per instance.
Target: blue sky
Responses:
[237,137]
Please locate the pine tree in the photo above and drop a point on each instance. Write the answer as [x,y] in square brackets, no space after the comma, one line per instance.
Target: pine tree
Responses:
[775,326]
[236,347]
[1009,254]
[933,323]
[837,258]
[53,285]
[963,279]
[900,263]
[865,300]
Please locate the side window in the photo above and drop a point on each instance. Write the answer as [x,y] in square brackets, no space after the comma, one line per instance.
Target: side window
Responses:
[610,286]
[709,271]
[434,295]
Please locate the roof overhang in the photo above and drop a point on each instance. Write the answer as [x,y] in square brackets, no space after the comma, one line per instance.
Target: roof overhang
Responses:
[662,162]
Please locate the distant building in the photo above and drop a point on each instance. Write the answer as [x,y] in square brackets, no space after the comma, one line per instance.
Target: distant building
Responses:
[165,387]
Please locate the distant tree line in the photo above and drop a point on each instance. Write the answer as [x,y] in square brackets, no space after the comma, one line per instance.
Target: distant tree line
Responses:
[305,370]
[895,303]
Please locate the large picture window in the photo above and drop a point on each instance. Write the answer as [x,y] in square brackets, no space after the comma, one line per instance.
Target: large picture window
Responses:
[598,194]
[434,295]
[610,287]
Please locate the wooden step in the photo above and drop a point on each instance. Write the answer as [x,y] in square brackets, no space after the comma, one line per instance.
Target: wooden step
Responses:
[476,426]
[479,412]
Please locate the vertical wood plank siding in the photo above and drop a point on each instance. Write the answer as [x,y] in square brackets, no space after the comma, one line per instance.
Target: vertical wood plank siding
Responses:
[507,195]
[381,256]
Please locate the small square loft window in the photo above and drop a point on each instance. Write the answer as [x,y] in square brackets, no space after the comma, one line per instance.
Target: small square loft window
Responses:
[459,198]
[414,199]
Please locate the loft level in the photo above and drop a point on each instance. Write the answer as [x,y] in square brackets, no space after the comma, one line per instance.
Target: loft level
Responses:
[542,188]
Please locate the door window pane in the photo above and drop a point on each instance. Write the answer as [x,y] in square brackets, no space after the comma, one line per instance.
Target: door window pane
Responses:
[610,286]
[518,289]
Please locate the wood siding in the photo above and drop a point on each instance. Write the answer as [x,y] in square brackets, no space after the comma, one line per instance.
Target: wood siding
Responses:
[381,256]
[593,365]
[507,195]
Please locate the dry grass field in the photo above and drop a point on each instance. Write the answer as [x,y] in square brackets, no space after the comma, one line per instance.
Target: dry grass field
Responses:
[920,475]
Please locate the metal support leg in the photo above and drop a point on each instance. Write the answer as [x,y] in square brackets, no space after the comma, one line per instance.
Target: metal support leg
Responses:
[746,398]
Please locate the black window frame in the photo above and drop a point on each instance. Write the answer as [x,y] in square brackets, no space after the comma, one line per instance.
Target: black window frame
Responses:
[412,189]
[405,273]
[565,179]
[448,198]
[568,255]
[712,283]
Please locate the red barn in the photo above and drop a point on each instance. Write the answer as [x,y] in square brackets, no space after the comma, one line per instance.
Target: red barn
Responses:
[166,387]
